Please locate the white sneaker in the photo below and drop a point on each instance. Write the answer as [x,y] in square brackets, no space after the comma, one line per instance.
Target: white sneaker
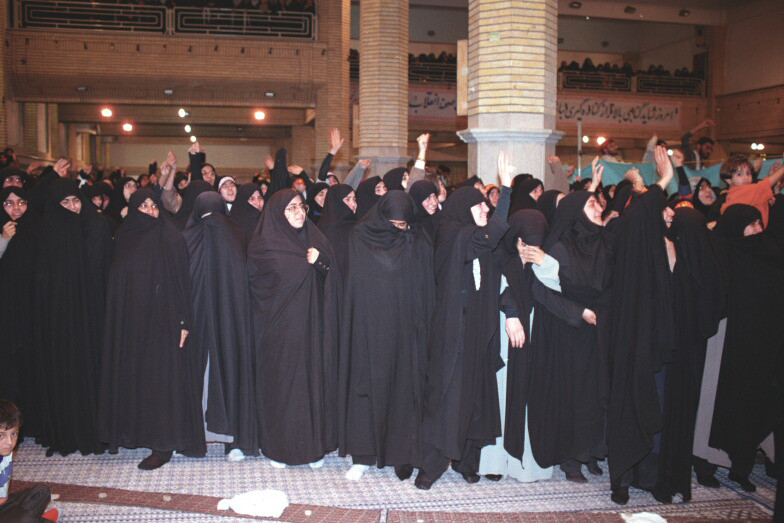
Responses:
[235,455]
[355,472]
[277,465]
[317,464]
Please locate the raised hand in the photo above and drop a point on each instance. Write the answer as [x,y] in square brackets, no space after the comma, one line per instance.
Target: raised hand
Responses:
[597,169]
[504,176]
[295,169]
[335,141]
[61,167]
[194,149]
[553,159]
[423,140]
[365,163]
[663,166]
[269,162]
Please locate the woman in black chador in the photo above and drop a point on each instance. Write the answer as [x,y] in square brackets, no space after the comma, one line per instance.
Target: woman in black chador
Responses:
[461,395]
[749,394]
[294,285]
[246,211]
[20,226]
[71,264]
[222,333]
[337,220]
[383,371]
[567,377]
[150,381]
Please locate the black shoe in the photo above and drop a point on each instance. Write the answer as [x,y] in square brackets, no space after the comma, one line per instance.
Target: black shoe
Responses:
[661,496]
[422,482]
[708,480]
[471,478]
[744,482]
[576,477]
[494,477]
[155,460]
[403,472]
[594,468]
[620,495]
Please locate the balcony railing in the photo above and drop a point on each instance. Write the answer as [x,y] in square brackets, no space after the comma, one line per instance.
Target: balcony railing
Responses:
[619,82]
[75,15]
[418,72]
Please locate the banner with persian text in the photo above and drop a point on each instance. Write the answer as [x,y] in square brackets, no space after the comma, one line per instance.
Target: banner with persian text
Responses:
[633,114]
[425,103]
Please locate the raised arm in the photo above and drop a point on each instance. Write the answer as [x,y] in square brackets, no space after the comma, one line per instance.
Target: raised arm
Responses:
[357,174]
[336,142]
[663,167]
[418,171]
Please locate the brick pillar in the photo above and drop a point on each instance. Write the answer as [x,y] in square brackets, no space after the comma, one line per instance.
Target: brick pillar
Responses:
[512,75]
[3,119]
[383,83]
[333,99]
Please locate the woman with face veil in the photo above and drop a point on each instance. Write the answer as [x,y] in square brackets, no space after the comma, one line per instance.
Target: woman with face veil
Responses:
[222,333]
[294,284]
[17,314]
[567,384]
[70,276]
[461,412]
[383,374]
[338,219]
[150,381]
[749,393]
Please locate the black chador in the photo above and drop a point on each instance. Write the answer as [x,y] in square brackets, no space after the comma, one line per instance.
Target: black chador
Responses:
[296,323]
[698,306]
[150,385]
[336,222]
[222,333]
[420,191]
[462,414]
[243,213]
[71,267]
[387,306]
[568,379]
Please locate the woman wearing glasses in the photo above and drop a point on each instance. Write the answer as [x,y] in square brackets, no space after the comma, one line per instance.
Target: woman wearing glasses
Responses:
[294,286]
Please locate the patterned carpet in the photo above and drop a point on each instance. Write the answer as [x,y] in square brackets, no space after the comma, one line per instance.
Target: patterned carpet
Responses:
[187,490]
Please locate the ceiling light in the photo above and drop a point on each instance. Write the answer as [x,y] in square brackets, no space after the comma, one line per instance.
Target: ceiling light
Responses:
[81,89]
[754,146]
[600,140]
[106,112]
[684,12]
[168,91]
[187,128]
[269,94]
[575,5]
[259,115]
[182,113]
[127,127]
[586,139]
[760,147]
[193,139]
[669,152]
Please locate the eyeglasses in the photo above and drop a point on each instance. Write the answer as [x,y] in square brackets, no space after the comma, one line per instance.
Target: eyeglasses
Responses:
[11,203]
[301,207]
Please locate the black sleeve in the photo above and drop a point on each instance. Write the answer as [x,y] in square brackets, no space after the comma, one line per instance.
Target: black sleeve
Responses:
[195,163]
[508,304]
[557,304]
[502,209]
[279,176]
[485,239]
[152,168]
[682,178]
[325,165]
[322,264]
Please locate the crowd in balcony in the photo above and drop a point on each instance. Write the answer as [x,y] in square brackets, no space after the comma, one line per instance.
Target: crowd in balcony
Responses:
[653,70]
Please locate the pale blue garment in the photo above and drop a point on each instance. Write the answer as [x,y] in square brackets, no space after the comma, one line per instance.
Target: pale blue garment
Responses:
[495,459]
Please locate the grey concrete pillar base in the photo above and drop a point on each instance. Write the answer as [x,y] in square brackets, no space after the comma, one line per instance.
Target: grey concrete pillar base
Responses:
[382,163]
[528,150]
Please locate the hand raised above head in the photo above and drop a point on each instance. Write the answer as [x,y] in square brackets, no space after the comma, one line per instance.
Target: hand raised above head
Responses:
[269,163]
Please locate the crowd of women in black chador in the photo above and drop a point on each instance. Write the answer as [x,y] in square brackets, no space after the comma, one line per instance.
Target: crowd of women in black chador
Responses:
[376,318]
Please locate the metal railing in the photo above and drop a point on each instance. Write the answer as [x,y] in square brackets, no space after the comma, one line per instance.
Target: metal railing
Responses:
[619,82]
[86,15]
[419,72]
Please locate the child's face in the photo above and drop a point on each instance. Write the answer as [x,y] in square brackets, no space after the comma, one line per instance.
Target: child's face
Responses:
[8,439]
[742,177]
